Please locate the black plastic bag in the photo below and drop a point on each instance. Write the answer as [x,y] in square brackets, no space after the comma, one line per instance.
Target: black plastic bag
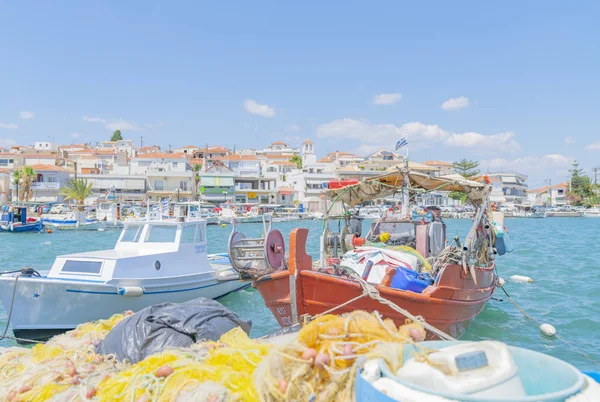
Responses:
[154,328]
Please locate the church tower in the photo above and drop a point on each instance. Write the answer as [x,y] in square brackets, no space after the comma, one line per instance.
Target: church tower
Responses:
[308,153]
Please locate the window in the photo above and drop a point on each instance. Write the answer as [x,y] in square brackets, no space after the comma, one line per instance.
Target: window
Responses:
[174,164]
[132,234]
[161,234]
[187,234]
[158,185]
[183,185]
[82,267]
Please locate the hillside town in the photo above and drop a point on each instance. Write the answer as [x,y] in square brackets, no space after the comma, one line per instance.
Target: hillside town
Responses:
[276,174]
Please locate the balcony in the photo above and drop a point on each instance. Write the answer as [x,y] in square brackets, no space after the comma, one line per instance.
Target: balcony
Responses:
[45,185]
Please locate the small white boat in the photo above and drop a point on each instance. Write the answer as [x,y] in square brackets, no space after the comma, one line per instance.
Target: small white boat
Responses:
[591,213]
[152,262]
[370,213]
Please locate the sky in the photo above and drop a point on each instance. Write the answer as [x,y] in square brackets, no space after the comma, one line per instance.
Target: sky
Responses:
[513,84]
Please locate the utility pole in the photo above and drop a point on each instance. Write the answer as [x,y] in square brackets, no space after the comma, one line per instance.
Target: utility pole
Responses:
[549,181]
[169,148]
[141,141]
[595,170]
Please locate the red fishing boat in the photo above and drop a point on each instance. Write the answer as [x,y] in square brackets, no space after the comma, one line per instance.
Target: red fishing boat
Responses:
[464,280]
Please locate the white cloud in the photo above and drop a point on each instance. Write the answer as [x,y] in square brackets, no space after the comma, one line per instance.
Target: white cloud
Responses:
[569,140]
[387,99]
[7,142]
[254,107]
[527,164]
[456,103]
[75,135]
[377,136]
[594,146]
[114,124]
[9,126]
[292,127]
[484,143]
[26,115]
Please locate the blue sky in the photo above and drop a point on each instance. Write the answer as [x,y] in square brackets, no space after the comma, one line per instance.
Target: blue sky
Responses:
[522,78]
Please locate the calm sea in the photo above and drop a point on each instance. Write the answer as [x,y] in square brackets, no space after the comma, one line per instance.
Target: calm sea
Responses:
[560,254]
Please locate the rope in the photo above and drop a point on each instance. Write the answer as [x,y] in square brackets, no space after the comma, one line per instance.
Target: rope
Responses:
[373,293]
[556,335]
[12,304]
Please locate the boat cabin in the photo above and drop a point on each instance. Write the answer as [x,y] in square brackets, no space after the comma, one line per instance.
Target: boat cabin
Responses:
[14,215]
[145,250]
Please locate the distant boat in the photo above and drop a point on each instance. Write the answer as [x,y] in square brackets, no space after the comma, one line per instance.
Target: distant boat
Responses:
[152,262]
[591,213]
[15,220]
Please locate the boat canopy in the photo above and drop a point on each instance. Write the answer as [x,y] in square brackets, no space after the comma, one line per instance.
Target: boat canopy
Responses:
[390,183]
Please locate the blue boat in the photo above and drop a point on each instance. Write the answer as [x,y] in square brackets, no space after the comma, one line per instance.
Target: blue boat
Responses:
[14,220]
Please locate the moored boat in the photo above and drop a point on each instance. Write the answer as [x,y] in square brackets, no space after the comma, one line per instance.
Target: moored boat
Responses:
[463,277]
[152,262]
[15,220]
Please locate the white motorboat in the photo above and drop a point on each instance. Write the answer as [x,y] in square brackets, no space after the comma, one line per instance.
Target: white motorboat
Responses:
[152,262]
[591,213]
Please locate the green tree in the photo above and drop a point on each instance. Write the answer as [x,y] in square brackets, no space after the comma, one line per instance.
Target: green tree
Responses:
[77,190]
[116,136]
[23,179]
[466,168]
[297,159]
[196,179]
[581,186]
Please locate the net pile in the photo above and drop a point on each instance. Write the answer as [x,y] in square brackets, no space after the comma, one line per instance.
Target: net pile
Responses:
[208,371]
[321,365]
[62,369]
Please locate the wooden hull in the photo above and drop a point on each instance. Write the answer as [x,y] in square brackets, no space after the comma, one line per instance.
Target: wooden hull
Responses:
[450,304]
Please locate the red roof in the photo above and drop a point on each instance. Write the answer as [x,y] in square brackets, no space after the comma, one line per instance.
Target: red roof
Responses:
[278,143]
[190,147]
[48,168]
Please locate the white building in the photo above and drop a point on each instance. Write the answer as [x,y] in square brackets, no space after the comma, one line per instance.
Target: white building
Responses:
[188,150]
[126,146]
[217,183]
[45,146]
[50,179]
[555,196]
[514,187]
[279,147]
[311,179]
[168,175]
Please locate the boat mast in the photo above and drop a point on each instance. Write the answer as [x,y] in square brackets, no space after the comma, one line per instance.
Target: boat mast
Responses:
[405,195]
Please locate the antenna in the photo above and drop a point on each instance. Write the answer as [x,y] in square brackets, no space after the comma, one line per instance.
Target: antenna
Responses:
[141,141]
[169,148]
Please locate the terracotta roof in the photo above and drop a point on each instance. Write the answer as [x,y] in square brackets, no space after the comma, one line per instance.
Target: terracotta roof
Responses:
[325,160]
[307,141]
[148,148]
[158,155]
[46,168]
[3,170]
[438,163]
[278,143]
[278,156]
[189,147]
[544,189]
[196,161]
[73,146]
[216,149]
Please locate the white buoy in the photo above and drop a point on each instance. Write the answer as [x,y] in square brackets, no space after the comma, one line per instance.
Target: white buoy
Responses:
[500,282]
[100,230]
[520,278]
[548,329]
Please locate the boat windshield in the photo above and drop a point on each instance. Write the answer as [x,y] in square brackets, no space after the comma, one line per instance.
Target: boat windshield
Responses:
[161,234]
[132,233]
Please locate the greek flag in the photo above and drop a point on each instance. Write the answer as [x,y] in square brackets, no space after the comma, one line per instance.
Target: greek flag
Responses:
[402,142]
[163,206]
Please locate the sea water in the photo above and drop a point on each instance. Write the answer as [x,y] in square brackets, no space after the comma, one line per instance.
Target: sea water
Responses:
[560,254]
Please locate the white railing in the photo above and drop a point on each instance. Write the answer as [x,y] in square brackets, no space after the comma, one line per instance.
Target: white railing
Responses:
[45,185]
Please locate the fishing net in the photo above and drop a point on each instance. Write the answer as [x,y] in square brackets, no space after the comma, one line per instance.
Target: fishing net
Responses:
[206,371]
[321,365]
[62,369]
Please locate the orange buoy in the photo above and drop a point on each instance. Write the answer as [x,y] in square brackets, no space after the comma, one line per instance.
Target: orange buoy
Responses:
[48,231]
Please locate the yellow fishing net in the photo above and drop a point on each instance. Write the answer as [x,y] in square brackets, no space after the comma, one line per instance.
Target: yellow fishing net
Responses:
[321,364]
[191,373]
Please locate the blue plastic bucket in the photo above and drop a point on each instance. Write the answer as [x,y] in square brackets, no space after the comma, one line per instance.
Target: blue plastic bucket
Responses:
[544,378]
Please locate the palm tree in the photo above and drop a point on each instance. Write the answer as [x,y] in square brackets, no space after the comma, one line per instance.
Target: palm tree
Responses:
[16,180]
[77,190]
[28,177]
[196,179]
